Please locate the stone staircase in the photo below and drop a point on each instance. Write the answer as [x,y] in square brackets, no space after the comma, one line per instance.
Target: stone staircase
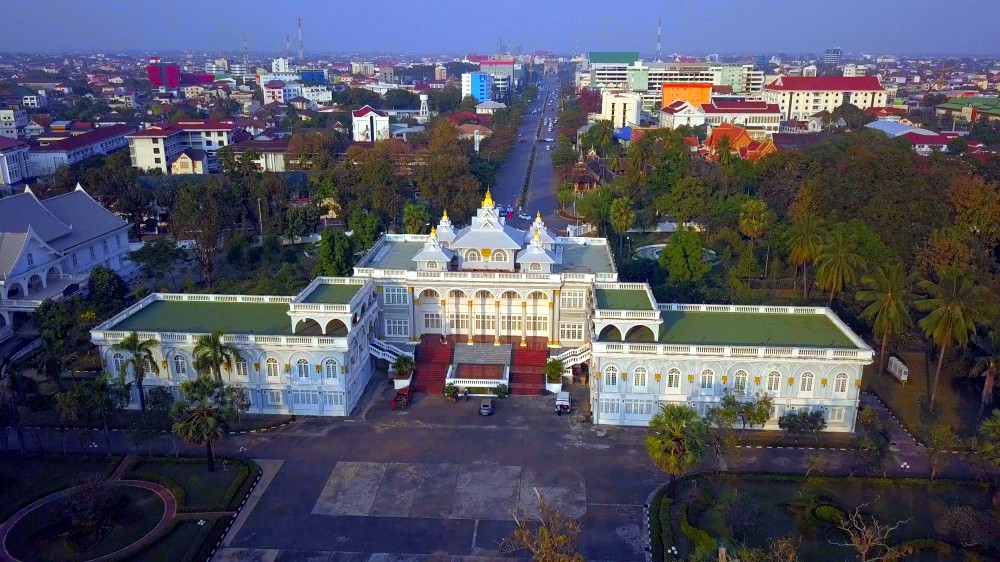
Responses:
[433,361]
[527,373]
[482,354]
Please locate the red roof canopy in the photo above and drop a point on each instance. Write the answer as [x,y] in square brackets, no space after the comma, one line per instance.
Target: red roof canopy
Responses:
[836,83]
[366,110]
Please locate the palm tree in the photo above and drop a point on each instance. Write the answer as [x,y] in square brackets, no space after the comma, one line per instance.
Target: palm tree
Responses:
[50,358]
[140,356]
[805,240]
[887,289]
[622,218]
[755,219]
[675,440]
[202,423]
[554,370]
[838,263]
[403,366]
[211,354]
[956,305]
[640,153]
[106,397]
[988,350]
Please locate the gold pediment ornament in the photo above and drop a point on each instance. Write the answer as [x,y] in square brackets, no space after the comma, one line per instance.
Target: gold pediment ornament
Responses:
[486,252]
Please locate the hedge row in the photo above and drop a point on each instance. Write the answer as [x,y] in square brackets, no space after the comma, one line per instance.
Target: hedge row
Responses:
[703,543]
[167,483]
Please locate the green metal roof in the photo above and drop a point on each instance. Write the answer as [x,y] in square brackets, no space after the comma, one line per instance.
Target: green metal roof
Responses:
[622,299]
[613,57]
[328,293]
[983,105]
[750,329]
[270,319]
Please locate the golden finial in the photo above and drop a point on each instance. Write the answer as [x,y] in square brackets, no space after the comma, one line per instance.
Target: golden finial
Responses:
[444,217]
[488,202]
[434,232]
[537,236]
[538,216]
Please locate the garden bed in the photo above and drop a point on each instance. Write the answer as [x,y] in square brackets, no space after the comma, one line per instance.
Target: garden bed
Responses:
[26,479]
[752,509]
[196,488]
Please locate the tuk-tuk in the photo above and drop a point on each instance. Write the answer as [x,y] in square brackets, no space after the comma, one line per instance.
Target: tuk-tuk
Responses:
[564,403]
[402,399]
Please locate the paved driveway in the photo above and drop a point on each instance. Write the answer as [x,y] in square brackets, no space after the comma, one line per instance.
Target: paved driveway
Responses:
[438,481]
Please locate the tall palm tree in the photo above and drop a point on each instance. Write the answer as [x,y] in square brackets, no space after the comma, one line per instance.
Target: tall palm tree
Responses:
[988,350]
[140,356]
[202,423]
[675,440]
[622,218]
[888,290]
[107,397]
[956,305]
[640,153]
[805,241]
[838,263]
[211,354]
[755,219]
[50,358]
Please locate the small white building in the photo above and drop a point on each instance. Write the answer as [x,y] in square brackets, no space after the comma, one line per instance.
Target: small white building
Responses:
[800,97]
[47,157]
[370,125]
[489,107]
[12,122]
[621,108]
[13,161]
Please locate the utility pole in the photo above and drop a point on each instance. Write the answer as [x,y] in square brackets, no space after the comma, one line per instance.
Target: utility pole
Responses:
[302,48]
[288,46]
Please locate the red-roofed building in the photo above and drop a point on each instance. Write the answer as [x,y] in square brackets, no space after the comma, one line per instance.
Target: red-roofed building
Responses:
[157,147]
[46,157]
[760,119]
[739,142]
[370,124]
[888,113]
[800,97]
[925,144]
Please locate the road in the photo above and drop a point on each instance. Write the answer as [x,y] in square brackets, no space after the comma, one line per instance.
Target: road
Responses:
[510,176]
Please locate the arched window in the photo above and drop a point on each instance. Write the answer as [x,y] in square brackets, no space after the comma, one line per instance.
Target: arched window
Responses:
[707,379]
[674,378]
[180,366]
[806,385]
[330,369]
[773,381]
[611,376]
[116,361]
[31,260]
[472,255]
[840,383]
[302,368]
[499,255]
[741,381]
[510,295]
[432,265]
[535,267]
[484,295]
[639,377]
[272,368]
[456,294]
[241,367]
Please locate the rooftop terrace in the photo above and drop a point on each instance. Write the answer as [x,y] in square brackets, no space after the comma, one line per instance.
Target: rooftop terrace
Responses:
[270,319]
[752,329]
[329,293]
[622,299]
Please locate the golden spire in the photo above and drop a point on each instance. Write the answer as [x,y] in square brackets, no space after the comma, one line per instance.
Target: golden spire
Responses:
[538,216]
[488,202]
[537,236]
[434,232]
[444,217]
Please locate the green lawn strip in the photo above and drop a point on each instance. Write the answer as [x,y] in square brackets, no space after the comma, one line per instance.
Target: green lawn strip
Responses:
[755,508]
[956,403]
[769,438]
[180,544]
[200,489]
[132,419]
[622,299]
[24,480]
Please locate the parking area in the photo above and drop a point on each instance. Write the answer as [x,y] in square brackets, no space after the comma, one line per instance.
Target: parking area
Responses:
[439,482]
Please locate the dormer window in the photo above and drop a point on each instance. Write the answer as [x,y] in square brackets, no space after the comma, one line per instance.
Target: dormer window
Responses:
[472,255]
[31,260]
[535,267]
[432,265]
[499,255]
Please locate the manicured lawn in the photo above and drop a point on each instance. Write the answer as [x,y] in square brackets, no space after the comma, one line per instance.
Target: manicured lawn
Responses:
[755,508]
[332,294]
[752,329]
[203,490]
[40,535]
[180,544]
[207,317]
[131,419]
[622,299]
[24,480]
[957,403]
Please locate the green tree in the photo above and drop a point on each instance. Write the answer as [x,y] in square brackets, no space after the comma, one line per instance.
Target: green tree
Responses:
[887,289]
[687,199]
[622,217]
[400,99]
[720,437]
[565,194]
[755,219]
[403,366]
[335,258]
[107,290]
[106,397]
[958,146]
[987,350]
[415,217]
[212,354]
[803,423]
[986,448]
[160,402]
[446,181]
[675,440]
[202,213]
[301,220]
[50,357]
[873,440]
[750,410]
[554,371]
[10,402]
[140,357]
[936,449]
[469,103]
[683,258]
[365,229]
[805,241]
[157,258]
[838,263]
[202,418]
[956,305]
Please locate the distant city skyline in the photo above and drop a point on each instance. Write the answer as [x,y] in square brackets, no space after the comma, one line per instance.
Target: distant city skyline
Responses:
[433,26]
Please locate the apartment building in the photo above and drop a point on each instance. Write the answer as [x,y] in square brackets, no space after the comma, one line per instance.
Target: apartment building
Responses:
[157,147]
[801,97]
[13,161]
[621,108]
[12,122]
[48,156]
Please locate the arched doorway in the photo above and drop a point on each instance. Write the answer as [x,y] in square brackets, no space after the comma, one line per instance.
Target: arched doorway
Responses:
[35,284]
[307,327]
[640,334]
[610,333]
[336,328]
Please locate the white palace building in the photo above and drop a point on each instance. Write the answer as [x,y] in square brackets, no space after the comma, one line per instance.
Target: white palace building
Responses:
[488,304]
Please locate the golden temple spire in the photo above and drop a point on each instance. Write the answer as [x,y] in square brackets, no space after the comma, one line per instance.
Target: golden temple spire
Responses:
[538,216]
[444,217]
[537,236]
[434,233]
[488,202]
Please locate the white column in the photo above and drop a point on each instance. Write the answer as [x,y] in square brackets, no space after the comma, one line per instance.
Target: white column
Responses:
[414,303]
[472,321]
[524,324]
[444,316]
[555,319]
[496,327]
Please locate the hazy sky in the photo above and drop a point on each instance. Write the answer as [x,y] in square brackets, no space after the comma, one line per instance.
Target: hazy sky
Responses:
[689,26]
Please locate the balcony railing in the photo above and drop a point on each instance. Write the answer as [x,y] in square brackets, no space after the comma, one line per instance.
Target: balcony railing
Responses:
[746,352]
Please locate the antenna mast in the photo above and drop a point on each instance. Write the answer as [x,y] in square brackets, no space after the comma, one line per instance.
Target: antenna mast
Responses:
[246,53]
[658,44]
[302,47]
[288,46]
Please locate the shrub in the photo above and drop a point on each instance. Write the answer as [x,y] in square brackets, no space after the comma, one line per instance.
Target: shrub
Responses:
[702,541]
[450,390]
[656,520]
[828,515]
[501,390]
[666,535]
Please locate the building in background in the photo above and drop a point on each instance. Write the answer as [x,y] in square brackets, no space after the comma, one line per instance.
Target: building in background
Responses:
[694,93]
[163,74]
[156,147]
[621,108]
[370,125]
[802,97]
[833,56]
[13,162]
[13,120]
[440,72]
[48,156]
[479,85]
